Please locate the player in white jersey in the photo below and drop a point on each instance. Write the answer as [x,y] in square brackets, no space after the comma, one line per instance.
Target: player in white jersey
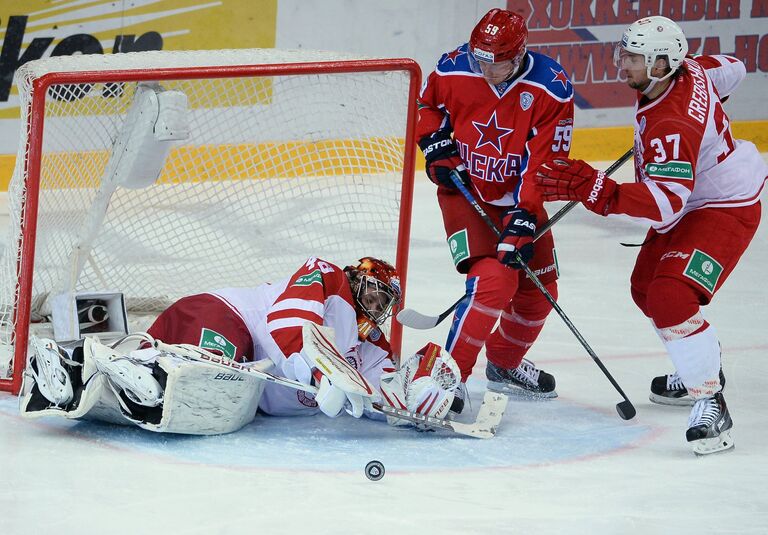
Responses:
[195,380]
[699,190]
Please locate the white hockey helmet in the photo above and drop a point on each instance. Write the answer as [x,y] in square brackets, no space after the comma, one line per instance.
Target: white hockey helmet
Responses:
[654,38]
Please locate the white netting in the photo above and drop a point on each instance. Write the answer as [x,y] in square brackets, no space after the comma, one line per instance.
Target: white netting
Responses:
[276,168]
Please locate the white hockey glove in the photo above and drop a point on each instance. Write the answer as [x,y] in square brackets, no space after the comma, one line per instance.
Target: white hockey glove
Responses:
[425,383]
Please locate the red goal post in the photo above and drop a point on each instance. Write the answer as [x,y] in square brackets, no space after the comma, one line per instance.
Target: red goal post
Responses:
[287,154]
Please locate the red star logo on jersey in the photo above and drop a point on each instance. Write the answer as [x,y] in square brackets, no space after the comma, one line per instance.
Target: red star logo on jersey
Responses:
[491,133]
[560,77]
[451,56]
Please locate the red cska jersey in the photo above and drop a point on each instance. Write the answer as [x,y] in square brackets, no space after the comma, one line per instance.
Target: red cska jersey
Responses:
[501,131]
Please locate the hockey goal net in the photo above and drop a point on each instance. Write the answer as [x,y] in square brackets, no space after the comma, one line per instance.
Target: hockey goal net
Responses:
[162,174]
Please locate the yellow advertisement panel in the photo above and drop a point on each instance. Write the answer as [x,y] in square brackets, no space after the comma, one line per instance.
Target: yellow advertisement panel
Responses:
[39,28]
[35,29]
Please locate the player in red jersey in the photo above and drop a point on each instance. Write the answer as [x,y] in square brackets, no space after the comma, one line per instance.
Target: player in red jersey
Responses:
[493,111]
[165,389]
[699,190]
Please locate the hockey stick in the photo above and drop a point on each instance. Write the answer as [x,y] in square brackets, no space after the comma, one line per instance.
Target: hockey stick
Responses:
[416,320]
[318,343]
[485,424]
[625,408]
[256,369]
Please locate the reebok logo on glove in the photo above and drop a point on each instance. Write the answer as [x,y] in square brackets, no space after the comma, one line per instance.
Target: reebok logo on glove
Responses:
[597,187]
[576,180]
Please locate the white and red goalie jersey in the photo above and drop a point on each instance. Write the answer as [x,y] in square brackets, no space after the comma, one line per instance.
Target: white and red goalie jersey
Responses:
[503,131]
[685,155]
[275,314]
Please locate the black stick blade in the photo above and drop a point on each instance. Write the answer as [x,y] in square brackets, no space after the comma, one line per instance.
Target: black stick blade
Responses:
[626,410]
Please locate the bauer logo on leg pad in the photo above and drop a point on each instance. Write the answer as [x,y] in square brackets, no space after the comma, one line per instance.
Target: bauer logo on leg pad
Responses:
[703,269]
[459,245]
[212,340]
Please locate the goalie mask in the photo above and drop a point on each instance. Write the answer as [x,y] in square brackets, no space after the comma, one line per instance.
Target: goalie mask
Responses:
[376,290]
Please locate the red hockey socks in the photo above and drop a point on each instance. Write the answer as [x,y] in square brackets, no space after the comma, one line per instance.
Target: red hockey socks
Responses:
[490,286]
[520,325]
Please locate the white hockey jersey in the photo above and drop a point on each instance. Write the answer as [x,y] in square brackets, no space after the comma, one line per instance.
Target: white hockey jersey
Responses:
[275,314]
[685,155]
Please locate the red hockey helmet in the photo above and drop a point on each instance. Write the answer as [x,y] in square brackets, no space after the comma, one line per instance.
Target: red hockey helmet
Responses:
[375,288]
[499,36]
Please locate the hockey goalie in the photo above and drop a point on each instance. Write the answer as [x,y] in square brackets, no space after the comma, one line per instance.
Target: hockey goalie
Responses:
[309,343]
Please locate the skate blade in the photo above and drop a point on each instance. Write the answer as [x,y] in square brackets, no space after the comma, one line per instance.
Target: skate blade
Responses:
[707,446]
[518,392]
[685,401]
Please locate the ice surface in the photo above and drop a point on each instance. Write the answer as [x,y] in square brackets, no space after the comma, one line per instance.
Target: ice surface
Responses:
[568,465]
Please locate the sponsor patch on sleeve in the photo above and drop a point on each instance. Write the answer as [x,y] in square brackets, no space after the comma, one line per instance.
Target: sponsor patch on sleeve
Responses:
[676,170]
[309,278]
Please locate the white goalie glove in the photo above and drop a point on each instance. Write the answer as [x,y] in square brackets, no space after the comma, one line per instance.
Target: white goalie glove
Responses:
[340,386]
[425,383]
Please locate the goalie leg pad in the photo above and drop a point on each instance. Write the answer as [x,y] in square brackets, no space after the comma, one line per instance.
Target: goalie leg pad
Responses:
[93,400]
[103,382]
[198,398]
[130,374]
[202,399]
[47,370]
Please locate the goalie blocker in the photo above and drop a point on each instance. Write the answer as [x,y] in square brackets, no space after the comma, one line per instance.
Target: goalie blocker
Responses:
[185,389]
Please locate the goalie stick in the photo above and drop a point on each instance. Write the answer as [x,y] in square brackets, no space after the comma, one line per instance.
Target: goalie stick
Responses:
[256,369]
[625,408]
[416,320]
[485,425]
[487,421]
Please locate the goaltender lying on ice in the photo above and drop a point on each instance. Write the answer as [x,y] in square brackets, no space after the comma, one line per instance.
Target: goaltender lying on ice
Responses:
[186,389]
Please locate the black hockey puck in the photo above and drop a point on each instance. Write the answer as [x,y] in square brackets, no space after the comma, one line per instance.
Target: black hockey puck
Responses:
[374,470]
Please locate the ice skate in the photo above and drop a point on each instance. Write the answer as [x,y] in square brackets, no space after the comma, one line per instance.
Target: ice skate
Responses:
[525,380]
[670,390]
[709,426]
[127,373]
[460,397]
[47,369]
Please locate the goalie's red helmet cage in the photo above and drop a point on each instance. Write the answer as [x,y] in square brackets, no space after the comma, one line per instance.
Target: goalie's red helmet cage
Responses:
[499,36]
[376,288]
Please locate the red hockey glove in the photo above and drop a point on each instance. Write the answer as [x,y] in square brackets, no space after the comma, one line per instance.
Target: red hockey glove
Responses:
[575,180]
[517,236]
[442,158]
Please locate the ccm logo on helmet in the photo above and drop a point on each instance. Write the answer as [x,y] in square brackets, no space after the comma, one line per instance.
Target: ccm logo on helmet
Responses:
[596,188]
